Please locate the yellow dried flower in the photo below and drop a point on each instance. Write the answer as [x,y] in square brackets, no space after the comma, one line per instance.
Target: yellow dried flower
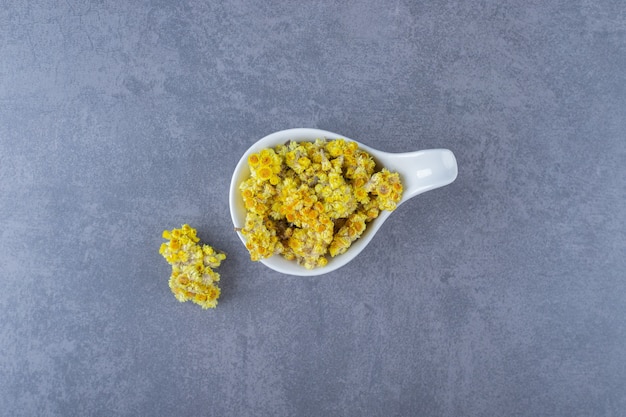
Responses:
[307,200]
[192,275]
[253,160]
[387,187]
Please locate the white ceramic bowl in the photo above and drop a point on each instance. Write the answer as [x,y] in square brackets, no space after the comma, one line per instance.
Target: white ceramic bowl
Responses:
[419,171]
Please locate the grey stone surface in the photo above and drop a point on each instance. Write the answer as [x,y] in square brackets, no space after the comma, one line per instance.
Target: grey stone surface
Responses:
[502,294]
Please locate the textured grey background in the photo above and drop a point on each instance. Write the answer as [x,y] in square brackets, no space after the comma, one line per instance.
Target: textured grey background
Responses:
[502,294]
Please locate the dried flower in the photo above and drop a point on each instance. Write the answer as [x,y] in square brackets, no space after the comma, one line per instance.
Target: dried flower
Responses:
[307,200]
[193,277]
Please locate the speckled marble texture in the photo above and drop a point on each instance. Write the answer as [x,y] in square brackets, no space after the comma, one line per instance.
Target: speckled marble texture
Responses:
[502,294]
